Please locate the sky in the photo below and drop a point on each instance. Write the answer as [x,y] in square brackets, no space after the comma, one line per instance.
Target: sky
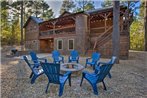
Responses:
[56,5]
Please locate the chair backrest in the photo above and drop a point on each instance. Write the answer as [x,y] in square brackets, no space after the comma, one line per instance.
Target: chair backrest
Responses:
[55,53]
[113,59]
[74,54]
[27,61]
[95,56]
[52,71]
[34,57]
[105,68]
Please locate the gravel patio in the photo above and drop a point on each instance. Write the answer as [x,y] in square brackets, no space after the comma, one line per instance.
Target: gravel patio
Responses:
[129,80]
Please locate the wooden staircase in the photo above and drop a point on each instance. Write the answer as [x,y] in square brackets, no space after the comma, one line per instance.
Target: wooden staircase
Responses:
[103,38]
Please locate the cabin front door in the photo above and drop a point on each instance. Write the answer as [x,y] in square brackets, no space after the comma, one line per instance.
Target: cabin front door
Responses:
[47,45]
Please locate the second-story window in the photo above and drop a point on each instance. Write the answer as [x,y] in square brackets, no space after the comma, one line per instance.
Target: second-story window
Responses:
[59,44]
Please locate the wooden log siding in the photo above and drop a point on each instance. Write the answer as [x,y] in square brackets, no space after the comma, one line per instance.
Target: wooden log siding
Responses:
[69,30]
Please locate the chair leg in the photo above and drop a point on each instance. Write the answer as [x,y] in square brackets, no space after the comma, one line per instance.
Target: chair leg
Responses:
[95,91]
[47,88]
[85,65]
[81,80]
[31,75]
[69,79]
[61,89]
[93,67]
[104,85]
[109,75]
[33,79]
[45,60]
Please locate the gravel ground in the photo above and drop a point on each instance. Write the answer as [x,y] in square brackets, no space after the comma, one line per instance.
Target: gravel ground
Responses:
[128,80]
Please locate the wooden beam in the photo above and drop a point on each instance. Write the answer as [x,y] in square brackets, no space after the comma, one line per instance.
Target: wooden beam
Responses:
[105,16]
[116,31]
[54,25]
[74,18]
[105,21]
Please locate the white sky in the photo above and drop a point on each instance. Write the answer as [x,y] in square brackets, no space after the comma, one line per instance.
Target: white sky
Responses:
[55,5]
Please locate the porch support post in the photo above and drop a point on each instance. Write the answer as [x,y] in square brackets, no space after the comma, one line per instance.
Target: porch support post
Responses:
[105,21]
[105,16]
[54,26]
[116,31]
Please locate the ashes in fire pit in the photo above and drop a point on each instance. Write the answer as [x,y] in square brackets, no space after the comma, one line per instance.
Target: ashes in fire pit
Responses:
[71,66]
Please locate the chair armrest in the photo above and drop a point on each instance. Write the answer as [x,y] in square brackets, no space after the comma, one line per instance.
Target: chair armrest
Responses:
[86,72]
[89,74]
[42,59]
[100,63]
[69,57]
[87,59]
[61,56]
[78,58]
[97,70]
[36,65]
[67,73]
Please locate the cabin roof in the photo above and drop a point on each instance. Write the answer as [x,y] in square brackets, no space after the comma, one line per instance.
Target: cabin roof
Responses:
[35,19]
[110,8]
[90,12]
[65,13]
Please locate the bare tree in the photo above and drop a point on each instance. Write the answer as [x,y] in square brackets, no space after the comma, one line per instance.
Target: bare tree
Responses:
[116,31]
[145,24]
[22,25]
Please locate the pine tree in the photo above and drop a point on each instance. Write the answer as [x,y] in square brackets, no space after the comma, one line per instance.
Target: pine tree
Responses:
[84,5]
[107,3]
[67,5]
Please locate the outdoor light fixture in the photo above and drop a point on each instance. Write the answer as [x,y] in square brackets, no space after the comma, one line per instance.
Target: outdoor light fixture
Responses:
[124,18]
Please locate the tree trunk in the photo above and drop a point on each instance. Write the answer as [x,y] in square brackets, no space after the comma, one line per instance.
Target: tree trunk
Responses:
[22,25]
[145,25]
[116,31]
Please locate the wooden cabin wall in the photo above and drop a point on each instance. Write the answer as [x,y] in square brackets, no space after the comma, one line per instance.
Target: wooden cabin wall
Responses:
[31,36]
[106,48]
[65,40]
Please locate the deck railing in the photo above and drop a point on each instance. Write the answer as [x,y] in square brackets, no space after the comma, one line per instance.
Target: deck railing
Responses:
[58,31]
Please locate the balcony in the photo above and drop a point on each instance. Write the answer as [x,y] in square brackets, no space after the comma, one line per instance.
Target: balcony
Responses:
[57,32]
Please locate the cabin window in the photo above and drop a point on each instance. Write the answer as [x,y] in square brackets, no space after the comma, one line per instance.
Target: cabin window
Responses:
[60,44]
[70,44]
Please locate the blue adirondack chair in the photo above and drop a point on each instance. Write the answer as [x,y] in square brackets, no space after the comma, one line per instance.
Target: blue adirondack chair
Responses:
[52,71]
[112,61]
[74,56]
[35,59]
[93,60]
[36,69]
[98,75]
[57,58]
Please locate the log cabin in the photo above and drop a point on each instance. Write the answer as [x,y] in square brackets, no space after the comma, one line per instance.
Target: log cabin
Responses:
[85,31]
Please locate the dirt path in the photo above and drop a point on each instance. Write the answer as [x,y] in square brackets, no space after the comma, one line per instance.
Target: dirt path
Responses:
[128,81]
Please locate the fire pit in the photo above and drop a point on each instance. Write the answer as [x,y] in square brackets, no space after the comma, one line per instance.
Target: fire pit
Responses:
[70,66]
[75,68]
